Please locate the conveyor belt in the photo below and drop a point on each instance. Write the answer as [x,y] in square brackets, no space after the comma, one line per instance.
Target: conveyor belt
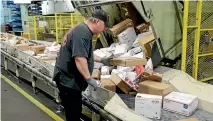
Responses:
[199,114]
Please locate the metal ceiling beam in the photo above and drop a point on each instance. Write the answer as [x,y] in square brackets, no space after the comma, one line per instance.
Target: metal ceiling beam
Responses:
[101,3]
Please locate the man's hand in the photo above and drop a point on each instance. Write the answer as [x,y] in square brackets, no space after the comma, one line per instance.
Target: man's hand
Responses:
[106,61]
[93,83]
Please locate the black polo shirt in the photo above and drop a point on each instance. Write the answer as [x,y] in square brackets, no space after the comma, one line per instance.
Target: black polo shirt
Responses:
[77,42]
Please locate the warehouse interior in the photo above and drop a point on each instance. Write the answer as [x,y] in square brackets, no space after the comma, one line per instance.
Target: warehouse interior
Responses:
[161,66]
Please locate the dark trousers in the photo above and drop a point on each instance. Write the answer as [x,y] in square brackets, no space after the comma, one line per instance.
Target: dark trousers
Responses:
[71,101]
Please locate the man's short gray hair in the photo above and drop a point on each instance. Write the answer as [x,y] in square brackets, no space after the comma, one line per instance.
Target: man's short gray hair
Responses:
[92,19]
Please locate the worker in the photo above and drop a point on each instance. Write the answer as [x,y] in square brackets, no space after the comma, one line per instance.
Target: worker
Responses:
[75,62]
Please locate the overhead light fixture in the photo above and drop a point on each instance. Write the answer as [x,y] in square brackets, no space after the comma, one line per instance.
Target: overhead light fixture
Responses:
[22,1]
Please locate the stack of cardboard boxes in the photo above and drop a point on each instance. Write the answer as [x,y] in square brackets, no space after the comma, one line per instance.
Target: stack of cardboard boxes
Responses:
[131,73]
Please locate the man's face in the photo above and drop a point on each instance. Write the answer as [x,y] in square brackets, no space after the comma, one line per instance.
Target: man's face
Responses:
[100,26]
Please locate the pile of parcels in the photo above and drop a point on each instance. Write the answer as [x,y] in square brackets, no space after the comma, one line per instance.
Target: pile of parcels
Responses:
[44,52]
[131,72]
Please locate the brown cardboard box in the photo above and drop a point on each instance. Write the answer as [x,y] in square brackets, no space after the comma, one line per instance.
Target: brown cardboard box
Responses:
[189,119]
[145,41]
[128,61]
[154,88]
[118,28]
[47,58]
[23,47]
[142,27]
[108,84]
[38,49]
[119,83]
[150,75]
[96,74]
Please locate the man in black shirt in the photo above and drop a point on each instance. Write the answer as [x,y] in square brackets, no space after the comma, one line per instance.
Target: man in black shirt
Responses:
[75,63]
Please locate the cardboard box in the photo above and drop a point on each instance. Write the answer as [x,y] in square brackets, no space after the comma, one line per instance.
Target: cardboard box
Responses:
[23,46]
[189,119]
[96,74]
[128,61]
[148,105]
[130,78]
[180,103]
[118,28]
[151,75]
[154,88]
[38,49]
[142,27]
[145,41]
[120,83]
[108,84]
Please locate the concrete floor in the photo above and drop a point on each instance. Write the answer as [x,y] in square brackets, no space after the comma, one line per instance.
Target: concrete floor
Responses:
[15,107]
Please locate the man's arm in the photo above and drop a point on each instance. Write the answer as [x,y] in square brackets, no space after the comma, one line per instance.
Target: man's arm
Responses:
[81,63]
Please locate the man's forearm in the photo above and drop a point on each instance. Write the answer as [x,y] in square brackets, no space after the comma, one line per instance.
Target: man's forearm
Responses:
[81,63]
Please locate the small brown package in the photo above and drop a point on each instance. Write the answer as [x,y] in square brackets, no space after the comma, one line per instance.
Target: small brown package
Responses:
[108,84]
[155,88]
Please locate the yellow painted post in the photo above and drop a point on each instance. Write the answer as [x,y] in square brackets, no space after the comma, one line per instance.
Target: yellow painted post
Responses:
[197,39]
[184,41]
[71,15]
[28,23]
[35,27]
[56,28]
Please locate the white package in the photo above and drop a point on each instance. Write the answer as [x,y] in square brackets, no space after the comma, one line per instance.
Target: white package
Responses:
[125,69]
[149,65]
[131,76]
[99,53]
[148,105]
[112,47]
[180,103]
[105,77]
[139,55]
[137,50]
[120,49]
[130,53]
[127,36]
[115,71]
[105,70]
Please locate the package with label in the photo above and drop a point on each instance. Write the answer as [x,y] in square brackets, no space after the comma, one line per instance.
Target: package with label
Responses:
[136,50]
[108,84]
[128,61]
[139,55]
[38,49]
[120,50]
[148,105]
[142,27]
[96,74]
[128,36]
[118,28]
[105,77]
[189,119]
[120,83]
[128,79]
[155,88]
[23,46]
[180,103]
[151,75]
[105,70]
[130,53]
